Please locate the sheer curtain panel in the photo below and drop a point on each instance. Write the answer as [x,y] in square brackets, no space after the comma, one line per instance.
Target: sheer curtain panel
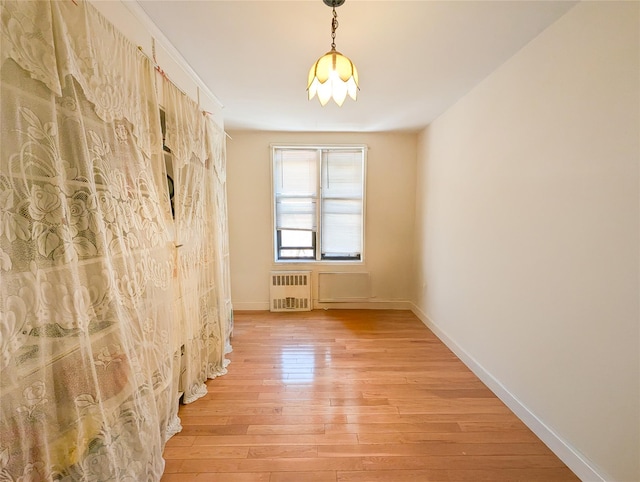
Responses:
[198,159]
[88,370]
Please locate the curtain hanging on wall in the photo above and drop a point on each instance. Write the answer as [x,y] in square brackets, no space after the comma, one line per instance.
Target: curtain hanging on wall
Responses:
[197,156]
[88,373]
[216,149]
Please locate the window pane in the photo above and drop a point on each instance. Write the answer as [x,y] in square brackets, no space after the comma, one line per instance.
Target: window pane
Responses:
[296,239]
[342,174]
[341,228]
[296,253]
[295,213]
[296,172]
[342,193]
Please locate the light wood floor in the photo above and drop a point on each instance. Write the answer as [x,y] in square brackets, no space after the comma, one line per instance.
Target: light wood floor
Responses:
[350,395]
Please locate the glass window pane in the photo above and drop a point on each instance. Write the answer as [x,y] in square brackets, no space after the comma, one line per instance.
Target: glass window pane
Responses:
[342,228]
[297,253]
[295,213]
[296,239]
[342,174]
[296,172]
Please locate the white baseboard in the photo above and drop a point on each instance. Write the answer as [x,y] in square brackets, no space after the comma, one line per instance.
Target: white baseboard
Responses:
[250,305]
[363,305]
[569,455]
[360,305]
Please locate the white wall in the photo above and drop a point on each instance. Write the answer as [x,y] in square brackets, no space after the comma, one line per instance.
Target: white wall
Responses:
[390,201]
[527,235]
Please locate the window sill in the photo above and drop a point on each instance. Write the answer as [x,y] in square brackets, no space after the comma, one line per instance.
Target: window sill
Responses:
[310,263]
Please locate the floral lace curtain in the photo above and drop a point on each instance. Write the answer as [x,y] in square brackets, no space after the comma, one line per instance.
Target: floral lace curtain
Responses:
[216,149]
[89,365]
[197,156]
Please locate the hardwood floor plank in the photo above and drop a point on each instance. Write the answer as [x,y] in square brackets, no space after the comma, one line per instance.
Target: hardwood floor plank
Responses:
[432,448]
[181,441]
[290,429]
[172,466]
[450,406]
[229,395]
[350,395]
[328,410]
[237,477]
[278,464]
[324,476]
[389,428]
[358,402]
[306,464]
[323,439]
[178,477]
[285,451]
[463,462]
[512,436]
[200,420]
[201,452]
[215,477]
[287,419]
[201,429]
[434,417]
[488,426]
[506,475]
[305,394]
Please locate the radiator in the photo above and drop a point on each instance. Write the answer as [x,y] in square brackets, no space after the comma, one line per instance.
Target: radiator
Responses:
[290,291]
[345,286]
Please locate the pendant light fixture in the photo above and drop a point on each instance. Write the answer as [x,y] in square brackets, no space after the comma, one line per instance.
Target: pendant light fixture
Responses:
[333,75]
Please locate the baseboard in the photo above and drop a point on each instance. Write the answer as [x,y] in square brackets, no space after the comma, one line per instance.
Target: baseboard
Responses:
[250,305]
[360,305]
[363,305]
[565,452]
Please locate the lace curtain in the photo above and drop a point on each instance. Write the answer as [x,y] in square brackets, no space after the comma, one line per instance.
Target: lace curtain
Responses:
[90,315]
[197,157]
[216,148]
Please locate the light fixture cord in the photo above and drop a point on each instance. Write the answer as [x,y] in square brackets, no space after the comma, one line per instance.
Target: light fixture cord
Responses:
[334,26]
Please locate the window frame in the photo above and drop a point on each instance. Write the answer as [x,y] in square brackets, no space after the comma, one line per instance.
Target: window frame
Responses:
[317,235]
[294,258]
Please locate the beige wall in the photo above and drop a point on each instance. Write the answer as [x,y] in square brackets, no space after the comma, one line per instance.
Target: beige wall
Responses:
[390,201]
[527,235]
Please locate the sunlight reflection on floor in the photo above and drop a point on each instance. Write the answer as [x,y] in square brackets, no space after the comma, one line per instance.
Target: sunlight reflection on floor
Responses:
[298,364]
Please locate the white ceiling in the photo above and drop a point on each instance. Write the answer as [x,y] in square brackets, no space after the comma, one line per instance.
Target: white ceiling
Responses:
[415,58]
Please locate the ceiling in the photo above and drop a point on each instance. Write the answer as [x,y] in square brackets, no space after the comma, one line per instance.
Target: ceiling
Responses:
[415,58]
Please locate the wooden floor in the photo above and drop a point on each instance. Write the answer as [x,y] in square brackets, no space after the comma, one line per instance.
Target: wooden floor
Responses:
[347,396]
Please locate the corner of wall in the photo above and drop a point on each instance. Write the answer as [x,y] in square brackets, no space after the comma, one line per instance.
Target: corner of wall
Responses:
[577,462]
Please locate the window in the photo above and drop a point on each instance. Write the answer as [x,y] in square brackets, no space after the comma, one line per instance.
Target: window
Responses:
[318,203]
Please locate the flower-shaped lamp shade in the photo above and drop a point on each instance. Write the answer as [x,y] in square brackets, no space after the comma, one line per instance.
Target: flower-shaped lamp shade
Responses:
[333,75]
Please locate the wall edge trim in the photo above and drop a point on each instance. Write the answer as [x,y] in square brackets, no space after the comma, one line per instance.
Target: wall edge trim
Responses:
[577,462]
[367,305]
[250,305]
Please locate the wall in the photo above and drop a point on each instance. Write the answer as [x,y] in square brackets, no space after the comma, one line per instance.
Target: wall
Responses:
[527,236]
[390,200]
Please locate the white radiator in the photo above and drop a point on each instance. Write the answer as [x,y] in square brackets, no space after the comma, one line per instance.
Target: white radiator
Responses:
[290,291]
[345,286]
